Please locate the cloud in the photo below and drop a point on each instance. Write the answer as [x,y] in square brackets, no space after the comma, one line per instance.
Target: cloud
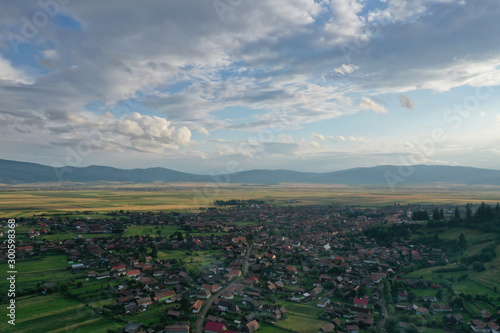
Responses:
[346,69]
[368,104]
[341,138]
[9,73]
[314,144]
[405,102]
[203,130]
[319,137]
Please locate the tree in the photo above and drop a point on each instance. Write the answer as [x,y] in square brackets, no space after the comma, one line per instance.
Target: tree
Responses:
[435,214]
[412,297]
[412,328]
[391,326]
[468,212]
[462,242]
[185,303]
[457,213]
[154,252]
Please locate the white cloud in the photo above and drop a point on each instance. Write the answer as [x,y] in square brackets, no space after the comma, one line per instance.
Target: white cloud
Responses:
[9,73]
[315,144]
[368,104]
[346,69]
[319,137]
[341,138]
[203,130]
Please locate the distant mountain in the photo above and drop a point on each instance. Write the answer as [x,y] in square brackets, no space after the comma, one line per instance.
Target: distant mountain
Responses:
[12,172]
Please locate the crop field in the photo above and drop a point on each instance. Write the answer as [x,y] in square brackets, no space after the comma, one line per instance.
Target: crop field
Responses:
[47,269]
[52,313]
[191,197]
[301,318]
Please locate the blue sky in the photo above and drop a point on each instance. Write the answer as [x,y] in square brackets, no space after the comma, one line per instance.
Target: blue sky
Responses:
[199,86]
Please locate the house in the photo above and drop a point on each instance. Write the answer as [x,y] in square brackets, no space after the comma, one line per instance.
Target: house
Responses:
[204,294]
[402,296]
[252,326]
[440,308]
[130,308]
[132,328]
[493,327]
[173,313]
[182,327]
[360,303]
[133,273]
[327,328]
[213,327]
[145,301]
[197,305]
[450,319]
[352,329]
[103,275]
[164,295]
[224,305]
[323,303]
[479,326]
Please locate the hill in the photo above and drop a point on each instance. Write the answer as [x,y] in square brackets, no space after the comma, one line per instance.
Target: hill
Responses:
[14,172]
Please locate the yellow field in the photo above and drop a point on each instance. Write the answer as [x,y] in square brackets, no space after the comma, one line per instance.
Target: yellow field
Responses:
[19,202]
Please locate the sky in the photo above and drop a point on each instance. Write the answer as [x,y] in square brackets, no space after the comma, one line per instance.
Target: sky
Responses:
[215,86]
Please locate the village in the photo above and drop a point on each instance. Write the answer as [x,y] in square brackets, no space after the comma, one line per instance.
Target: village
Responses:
[251,266]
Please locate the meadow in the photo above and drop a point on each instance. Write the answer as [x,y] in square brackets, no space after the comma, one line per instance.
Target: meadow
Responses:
[477,283]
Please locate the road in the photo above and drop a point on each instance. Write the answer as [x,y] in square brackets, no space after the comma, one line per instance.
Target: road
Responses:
[210,301]
[381,324]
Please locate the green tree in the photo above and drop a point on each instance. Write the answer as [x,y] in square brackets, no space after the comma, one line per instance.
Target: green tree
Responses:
[412,297]
[462,242]
[391,326]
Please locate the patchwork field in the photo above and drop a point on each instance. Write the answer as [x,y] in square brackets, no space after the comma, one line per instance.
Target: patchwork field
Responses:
[19,203]
[52,313]
[47,269]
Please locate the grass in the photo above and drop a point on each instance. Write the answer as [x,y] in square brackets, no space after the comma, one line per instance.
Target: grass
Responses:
[267,328]
[45,269]
[301,317]
[141,230]
[194,261]
[477,283]
[300,323]
[53,313]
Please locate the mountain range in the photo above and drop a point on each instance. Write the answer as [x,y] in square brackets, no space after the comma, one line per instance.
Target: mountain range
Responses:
[14,172]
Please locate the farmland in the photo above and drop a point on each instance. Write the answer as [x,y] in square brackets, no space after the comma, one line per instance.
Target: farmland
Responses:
[53,313]
[23,203]
[166,230]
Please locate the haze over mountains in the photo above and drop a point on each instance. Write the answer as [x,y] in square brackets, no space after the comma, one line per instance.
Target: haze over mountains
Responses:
[14,172]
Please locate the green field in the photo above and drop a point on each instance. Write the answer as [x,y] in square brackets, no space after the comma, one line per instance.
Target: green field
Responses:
[301,317]
[46,269]
[477,282]
[52,313]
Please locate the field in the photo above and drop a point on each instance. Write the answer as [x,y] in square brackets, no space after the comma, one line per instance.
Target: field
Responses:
[301,318]
[53,313]
[19,203]
[47,269]
[477,282]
